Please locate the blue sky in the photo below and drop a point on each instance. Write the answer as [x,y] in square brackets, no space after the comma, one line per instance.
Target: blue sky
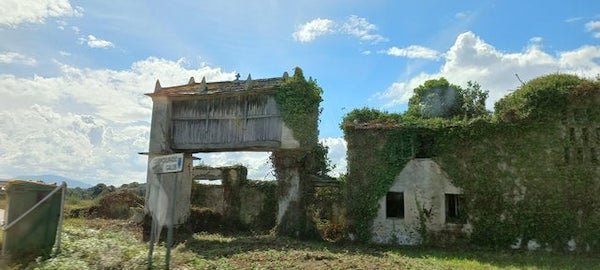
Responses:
[72,73]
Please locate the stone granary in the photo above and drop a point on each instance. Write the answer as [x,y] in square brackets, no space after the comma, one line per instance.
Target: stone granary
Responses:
[238,115]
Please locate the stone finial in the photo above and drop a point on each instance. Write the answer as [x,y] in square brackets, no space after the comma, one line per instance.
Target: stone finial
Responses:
[285,75]
[237,76]
[191,81]
[248,82]
[157,86]
[298,73]
[203,87]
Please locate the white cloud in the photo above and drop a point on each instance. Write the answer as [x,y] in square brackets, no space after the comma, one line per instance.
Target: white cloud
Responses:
[354,26]
[16,58]
[573,19]
[471,58]
[63,53]
[313,29]
[15,12]
[536,40]
[462,15]
[413,51]
[85,123]
[94,42]
[362,29]
[594,28]
[337,154]
[61,24]
[258,163]
[260,167]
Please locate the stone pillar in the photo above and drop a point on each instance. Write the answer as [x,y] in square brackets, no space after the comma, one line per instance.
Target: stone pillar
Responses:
[234,178]
[293,193]
[161,186]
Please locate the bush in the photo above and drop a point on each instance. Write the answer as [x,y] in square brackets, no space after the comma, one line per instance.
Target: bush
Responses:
[543,97]
[116,205]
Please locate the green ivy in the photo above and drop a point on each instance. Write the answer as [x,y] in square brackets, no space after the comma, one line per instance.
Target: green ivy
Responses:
[298,101]
[513,165]
[543,97]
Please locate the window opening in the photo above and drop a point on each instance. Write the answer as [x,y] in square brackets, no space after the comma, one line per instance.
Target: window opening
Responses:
[425,145]
[584,135]
[455,209]
[394,205]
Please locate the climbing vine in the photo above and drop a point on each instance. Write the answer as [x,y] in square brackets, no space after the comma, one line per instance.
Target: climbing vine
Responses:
[298,101]
[535,180]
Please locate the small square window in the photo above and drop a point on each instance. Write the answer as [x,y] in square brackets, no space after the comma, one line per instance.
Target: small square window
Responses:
[425,143]
[584,135]
[572,135]
[580,115]
[579,154]
[455,209]
[394,205]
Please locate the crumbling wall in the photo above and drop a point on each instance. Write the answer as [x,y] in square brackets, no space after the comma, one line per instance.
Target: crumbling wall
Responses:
[251,204]
[526,180]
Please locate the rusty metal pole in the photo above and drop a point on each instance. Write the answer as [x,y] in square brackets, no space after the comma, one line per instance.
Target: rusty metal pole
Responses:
[170,231]
[152,235]
[62,216]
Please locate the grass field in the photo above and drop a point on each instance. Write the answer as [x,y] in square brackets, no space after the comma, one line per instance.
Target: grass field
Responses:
[107,244]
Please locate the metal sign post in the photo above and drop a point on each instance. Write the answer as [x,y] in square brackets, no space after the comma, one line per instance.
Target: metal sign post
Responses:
[161,165]
[170,230]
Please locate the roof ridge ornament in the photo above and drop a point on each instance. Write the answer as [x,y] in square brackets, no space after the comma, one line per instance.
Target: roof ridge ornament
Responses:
[203,87]
[248,84]
[157,86]
[191,81]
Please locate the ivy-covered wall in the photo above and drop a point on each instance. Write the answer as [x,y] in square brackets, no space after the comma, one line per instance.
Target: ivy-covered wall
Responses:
[531,172]
[298,100]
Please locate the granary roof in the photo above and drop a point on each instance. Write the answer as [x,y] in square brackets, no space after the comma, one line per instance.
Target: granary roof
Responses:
[192,88]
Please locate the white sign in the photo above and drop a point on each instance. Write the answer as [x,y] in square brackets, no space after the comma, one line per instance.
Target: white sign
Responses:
[167,164]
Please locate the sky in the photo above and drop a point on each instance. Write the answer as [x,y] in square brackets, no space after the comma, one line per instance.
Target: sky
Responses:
[73,73]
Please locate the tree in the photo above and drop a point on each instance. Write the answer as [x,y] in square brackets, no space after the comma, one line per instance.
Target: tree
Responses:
[474,100]
[436,98]
[439,98]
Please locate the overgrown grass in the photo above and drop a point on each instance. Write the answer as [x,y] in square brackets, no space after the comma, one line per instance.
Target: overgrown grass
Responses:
[103,244]
[75,203]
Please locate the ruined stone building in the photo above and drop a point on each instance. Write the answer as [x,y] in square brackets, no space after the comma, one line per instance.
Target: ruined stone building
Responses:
[528,177]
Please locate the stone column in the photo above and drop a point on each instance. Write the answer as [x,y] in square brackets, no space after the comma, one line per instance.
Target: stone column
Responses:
[234,178]
[160,187]
[293,193]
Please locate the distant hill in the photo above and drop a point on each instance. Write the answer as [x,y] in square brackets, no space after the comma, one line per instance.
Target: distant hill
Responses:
[71,183]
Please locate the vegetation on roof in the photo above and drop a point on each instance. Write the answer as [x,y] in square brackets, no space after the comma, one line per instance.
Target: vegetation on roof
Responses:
[535,181]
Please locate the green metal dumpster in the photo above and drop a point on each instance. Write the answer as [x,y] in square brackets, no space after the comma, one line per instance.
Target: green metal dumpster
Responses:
[34,233]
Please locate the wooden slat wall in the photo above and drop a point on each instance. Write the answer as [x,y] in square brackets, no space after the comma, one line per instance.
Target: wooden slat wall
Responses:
[251,121]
